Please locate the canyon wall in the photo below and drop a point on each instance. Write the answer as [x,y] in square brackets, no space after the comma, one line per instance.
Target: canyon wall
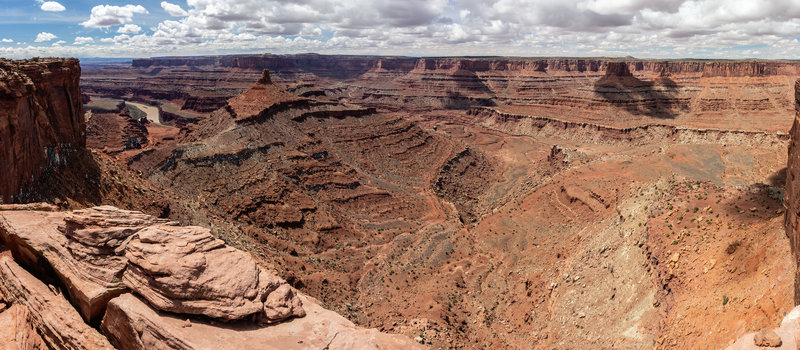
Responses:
[720,93]
[351,66]
[793,189]
[41,119]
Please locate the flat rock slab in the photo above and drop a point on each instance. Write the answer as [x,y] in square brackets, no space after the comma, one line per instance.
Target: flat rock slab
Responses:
[35,238]
[29,206]
[53,317]
[130,324]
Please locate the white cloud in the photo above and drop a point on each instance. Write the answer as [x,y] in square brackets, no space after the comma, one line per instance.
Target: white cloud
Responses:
[129,29]
[606,7]
[122,38]
[642,28]
[119,39]
[52,6]
[45,36]
[80,40]
[104,16]
[6,40]
[173,10]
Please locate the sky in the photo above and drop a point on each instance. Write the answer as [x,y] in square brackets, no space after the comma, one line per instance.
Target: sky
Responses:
[586,28]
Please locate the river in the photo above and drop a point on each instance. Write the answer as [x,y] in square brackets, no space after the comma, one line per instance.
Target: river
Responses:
[152,112]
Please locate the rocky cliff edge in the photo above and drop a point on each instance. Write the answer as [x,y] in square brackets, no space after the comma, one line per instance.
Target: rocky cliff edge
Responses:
[104,278]
[41,119]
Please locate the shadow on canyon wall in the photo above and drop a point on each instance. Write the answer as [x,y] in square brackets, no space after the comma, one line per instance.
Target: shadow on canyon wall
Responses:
[656,99]
[477,92]
[85,181]
[458,100]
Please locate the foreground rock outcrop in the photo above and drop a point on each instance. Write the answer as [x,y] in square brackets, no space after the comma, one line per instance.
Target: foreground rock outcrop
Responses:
[58,323]
[41,119]
[132,324]
[192,290]
[77,247]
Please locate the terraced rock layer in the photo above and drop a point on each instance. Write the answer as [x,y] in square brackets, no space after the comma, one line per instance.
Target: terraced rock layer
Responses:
[689,92]
[531,203]
[310,176]
[61,273]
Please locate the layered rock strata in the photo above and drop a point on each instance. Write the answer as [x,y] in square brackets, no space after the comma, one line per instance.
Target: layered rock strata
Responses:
[350,66]
[310,175]
[730,94]
[116,132]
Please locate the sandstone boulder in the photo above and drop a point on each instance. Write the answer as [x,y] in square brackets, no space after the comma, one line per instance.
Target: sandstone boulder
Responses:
[283,303]
[186,270]
[97,238]
[58,323]
[787,336]
[768,338]
[132,324]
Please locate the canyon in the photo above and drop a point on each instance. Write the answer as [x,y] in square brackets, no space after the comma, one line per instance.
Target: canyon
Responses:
[441,202]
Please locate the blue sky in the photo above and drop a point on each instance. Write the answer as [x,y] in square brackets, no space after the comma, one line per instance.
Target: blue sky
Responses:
[640,28]
[21,21]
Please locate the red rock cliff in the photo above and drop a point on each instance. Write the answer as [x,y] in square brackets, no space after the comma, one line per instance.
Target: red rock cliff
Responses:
[793,189]
[787,336]
[341,66]
[41,118]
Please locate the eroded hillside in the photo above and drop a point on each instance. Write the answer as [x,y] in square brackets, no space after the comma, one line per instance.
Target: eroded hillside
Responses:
[107,278]
[512,203]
